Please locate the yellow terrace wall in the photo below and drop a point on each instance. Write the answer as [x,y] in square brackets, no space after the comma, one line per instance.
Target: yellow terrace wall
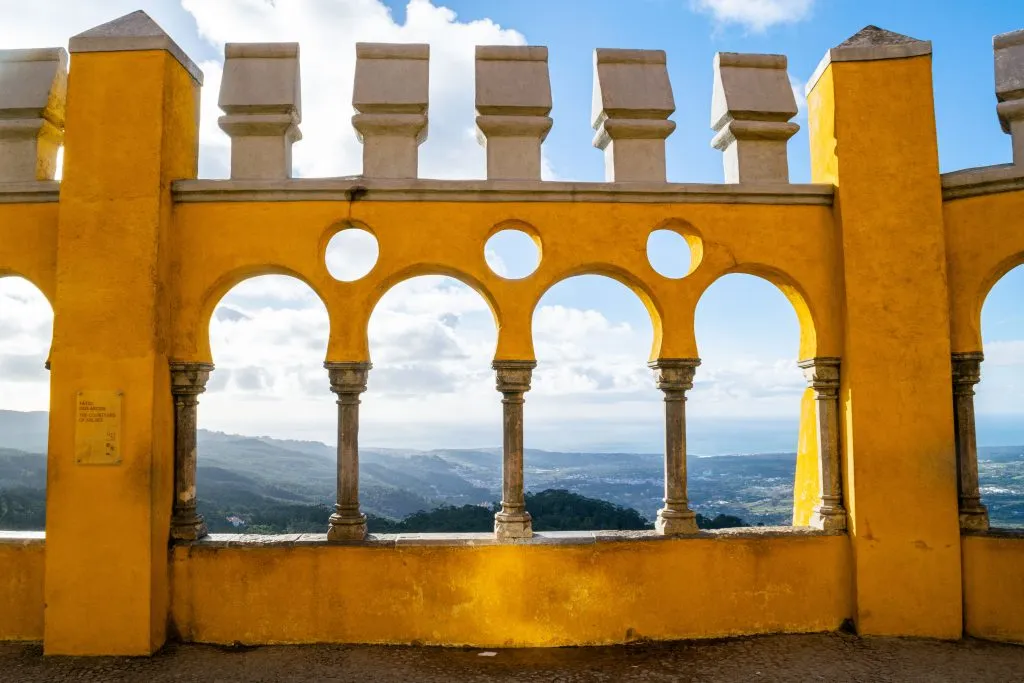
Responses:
[22,561]
[576,593]
[885,262]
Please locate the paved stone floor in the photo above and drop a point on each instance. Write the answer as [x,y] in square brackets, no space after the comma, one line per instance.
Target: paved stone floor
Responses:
[833,657]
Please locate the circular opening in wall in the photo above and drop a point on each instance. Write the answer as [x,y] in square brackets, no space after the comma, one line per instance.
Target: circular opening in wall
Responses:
[669,254]
[351,254]
[512,254]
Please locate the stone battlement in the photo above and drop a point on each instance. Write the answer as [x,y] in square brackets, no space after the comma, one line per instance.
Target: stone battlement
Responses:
[886,262]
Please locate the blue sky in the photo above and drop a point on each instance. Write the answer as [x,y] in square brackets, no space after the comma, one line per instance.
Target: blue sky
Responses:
[432,339]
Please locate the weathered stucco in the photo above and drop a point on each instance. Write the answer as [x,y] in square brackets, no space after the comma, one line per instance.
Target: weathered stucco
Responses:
[22,560]
[508,595]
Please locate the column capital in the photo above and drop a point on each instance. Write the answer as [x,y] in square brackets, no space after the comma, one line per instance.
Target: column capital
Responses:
[188,378]
[967,369]
[513,376]
[348,377]
[674,374]
[133,32]
[822,373]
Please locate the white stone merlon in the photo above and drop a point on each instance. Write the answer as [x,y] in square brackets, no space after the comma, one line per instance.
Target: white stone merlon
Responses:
[632,103]
[750,111]
[1009,57]
[513,99]
[260,94]
[33,89]
[390,95]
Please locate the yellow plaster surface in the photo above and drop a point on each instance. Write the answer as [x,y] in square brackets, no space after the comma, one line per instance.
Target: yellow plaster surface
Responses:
[21,590]
[512,596]
[226,243]
[994,587]
[896,412]
[28,244]
[985,240]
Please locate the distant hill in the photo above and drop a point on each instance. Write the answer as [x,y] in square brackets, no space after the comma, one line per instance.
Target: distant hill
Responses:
[241,476]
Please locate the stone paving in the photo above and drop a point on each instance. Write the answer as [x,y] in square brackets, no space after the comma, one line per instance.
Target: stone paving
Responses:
[831,657]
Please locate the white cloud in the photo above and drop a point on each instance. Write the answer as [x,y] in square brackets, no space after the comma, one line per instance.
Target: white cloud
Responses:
[327,33]
[756,15]
[26,327]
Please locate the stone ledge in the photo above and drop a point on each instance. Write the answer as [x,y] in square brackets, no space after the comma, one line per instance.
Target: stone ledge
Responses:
[358,188]
[466,540]
[996,533]
[983,180]
[30,192]
[22,537]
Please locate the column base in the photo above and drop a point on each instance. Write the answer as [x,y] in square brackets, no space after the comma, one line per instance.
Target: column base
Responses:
[190,528]
[676,522]
[974,519]
[828,518]
[347,528]
[512,525]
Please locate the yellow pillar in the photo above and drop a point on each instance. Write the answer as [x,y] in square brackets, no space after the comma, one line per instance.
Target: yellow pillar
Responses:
[872,128]
[131,129]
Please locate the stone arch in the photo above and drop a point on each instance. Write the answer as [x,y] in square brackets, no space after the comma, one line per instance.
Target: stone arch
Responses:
[991,279]
[6,273]
[801,491]
[447,343]
[794,293]
[624,277]
[224,284]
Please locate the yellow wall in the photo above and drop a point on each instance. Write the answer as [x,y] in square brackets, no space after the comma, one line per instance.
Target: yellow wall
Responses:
[220,244]
[897,420]
[512,595]
[131,129]
[807,483]
[994,587]
[985,238]
[889,278]
[21,589]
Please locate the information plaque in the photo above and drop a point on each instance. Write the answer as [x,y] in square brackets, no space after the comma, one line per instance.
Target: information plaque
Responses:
[98,428]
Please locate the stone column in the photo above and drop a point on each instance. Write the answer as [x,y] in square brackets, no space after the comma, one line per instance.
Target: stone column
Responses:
[1009,63]
[188,380]
[674,376]
[348,380]
[823,376]
[967,373]
[513,380]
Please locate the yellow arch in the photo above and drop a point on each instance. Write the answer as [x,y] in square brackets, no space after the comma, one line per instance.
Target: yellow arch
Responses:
[623,277]
[793,293]
[224,284]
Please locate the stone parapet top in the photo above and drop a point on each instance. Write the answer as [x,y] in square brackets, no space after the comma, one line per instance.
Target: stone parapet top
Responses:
[870,44]
[132,32]
[22,537]
[541,538]
[379,189]
[983,180]
[1016,534]
[30,192]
